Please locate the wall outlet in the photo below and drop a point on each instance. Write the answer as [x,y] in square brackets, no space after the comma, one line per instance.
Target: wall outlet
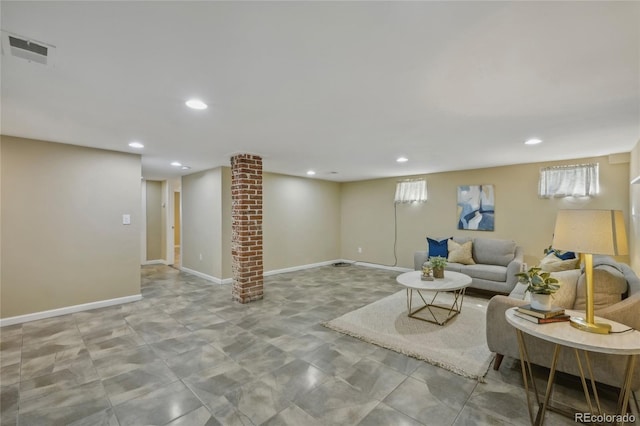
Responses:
[359,249]
[524,268]
[200,256]
[126,219]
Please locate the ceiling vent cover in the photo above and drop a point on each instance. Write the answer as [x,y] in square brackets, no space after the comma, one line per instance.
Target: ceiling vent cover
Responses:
[28,49]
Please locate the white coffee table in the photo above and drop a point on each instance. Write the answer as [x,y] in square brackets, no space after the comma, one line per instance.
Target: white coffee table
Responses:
[453,282]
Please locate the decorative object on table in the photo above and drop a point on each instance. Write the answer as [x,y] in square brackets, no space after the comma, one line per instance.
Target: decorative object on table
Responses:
[590,232]
[476,207]
[426,272]
[437,265]
[536,320]
[533,312]
[541,285]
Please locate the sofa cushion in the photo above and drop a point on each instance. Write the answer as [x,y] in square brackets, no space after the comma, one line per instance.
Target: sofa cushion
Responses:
[455,267]
[609,284]
[437,247]
[486,272]
[552,263]
[493,252]
[461,253]
[565,297]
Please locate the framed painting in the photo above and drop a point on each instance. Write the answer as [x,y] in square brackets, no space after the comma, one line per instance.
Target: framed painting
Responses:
[476,207]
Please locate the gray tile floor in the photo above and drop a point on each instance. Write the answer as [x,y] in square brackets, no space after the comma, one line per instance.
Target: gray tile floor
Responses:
[187,355]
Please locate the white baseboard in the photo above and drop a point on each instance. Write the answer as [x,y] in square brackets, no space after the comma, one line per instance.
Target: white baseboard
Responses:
[300,268]
[297,268]
[155,262]
[378,266]
[68,310]
[266,274]
[204,276]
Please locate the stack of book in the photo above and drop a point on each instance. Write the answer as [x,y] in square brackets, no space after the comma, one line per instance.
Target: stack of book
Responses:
[556,314]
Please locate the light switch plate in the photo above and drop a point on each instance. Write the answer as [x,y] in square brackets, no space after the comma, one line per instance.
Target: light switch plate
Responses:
[126,219]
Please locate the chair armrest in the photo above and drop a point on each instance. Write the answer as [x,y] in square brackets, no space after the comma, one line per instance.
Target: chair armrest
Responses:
[419,257]
[514,267]
[500,335]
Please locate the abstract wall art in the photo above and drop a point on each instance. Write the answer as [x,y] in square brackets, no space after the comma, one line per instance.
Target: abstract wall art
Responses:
[476,207]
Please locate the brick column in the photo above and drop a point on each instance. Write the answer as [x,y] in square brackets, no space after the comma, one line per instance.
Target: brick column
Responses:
[246,227]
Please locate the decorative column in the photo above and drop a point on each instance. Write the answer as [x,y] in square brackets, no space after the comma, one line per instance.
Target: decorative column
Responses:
[246,227]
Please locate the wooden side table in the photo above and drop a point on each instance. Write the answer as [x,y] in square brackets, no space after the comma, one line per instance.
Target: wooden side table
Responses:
[565,336]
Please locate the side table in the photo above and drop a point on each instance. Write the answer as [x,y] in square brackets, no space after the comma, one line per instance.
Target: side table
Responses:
[564,336]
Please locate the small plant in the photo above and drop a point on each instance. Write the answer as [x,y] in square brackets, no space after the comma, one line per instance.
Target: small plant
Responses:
[438,262]
[538,283]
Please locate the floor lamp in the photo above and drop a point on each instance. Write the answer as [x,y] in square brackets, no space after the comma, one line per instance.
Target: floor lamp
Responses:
[590,232]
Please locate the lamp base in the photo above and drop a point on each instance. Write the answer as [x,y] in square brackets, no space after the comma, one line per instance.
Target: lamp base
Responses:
[582,324]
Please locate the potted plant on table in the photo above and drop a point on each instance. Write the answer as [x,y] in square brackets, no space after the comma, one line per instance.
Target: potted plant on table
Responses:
[541,286]
[437,265]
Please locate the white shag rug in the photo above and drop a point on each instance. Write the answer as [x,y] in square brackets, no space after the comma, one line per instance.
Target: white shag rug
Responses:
[459,346]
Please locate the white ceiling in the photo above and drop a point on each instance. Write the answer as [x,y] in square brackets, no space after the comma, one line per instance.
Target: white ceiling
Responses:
[342,87]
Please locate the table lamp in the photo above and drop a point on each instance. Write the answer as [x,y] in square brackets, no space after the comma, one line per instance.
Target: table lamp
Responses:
[590,232]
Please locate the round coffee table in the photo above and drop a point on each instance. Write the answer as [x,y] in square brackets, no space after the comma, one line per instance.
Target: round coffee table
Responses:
[453,282]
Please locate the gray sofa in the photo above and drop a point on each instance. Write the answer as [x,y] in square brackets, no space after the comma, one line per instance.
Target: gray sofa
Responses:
[497,262]
[608,369]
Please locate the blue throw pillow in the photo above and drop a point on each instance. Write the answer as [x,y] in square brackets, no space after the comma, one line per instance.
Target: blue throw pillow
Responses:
[564,255]
[438,248]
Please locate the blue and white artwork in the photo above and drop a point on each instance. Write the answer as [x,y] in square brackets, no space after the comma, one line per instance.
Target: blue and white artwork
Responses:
[476,207]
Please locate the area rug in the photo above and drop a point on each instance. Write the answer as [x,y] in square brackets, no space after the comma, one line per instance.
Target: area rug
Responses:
[459,346]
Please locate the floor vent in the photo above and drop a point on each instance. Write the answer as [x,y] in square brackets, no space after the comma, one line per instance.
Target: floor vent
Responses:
[341,264]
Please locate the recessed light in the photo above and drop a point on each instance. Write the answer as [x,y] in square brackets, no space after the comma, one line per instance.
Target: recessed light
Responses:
[185,167]
[136,145]
[533,141]
[196,104]
[176,164]
[311,172]
[402,159]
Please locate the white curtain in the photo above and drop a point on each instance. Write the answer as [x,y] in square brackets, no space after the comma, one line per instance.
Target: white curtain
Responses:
[411,191]
[580,180]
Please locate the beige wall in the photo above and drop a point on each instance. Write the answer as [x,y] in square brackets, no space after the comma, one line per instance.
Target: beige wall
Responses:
[176,218]
[368,210]
[202,222]
[154,220]
[633,231]
[301,221]
[226,223]
[63,241]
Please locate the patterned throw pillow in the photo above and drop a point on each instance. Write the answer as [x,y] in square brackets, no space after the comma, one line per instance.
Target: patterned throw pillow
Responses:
[609,284]
[461,253]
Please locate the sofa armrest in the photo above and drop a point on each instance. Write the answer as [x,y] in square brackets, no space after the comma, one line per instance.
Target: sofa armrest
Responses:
[501,337]
[514,267]
[419,257]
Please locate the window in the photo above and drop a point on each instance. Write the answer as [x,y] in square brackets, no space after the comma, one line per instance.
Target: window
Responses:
[411,191]
[579,180]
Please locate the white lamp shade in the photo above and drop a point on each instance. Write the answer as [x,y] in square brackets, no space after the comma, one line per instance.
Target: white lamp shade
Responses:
[591,231]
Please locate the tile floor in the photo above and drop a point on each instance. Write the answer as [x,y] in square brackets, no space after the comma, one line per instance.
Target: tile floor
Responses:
[187,355]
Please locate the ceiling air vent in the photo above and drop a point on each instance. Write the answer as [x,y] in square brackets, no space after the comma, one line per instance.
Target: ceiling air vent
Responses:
[25,48]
